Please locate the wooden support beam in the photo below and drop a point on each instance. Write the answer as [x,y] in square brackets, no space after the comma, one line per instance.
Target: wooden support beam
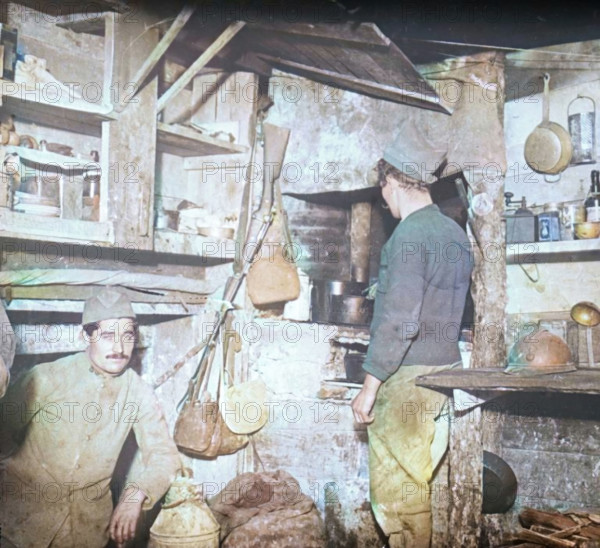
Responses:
[127,42]
[474,433]
[200,63]
[162,46]
[130,144]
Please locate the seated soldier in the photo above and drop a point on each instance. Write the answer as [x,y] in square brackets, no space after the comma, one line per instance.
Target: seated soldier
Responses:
[71,418]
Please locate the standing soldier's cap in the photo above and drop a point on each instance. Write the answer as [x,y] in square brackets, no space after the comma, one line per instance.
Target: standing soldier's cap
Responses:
[110,303]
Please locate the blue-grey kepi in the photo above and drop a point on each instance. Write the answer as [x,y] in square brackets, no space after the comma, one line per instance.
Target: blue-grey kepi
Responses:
[110,303]
[414,154]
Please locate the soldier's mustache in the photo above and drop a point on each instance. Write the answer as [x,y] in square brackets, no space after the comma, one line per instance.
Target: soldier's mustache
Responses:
[116,356]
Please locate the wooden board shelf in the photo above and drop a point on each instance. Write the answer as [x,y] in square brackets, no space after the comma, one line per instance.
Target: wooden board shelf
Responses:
[22,226]
[183,141]
[581,381]
[181,243]
[34,104]
[47,159]
[545,252]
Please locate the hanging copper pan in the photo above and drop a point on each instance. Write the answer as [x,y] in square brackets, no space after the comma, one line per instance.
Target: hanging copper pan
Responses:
[548,148]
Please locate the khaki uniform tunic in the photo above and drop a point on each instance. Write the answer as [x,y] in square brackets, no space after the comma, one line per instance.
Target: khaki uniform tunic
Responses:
[56,485]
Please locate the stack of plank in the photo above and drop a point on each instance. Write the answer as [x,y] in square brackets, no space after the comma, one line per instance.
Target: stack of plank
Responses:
[570,529]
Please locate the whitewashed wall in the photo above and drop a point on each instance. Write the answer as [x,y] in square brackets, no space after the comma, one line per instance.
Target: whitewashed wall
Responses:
[560,284]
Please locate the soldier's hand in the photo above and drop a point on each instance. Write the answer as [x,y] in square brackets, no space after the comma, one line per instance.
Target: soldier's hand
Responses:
[362,405]
[125,516]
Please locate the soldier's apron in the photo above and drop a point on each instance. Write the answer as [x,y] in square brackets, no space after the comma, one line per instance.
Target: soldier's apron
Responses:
[407,441]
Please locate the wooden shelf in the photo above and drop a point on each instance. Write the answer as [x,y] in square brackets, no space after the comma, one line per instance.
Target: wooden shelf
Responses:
[546,252]
[22,226]
[183,141]
[29,306]
[45,158]
[582,381]
[170,241]
[32,105]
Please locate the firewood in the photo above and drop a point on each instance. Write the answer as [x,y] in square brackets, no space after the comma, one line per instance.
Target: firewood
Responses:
[556,520]
[544,530]
[567,532]
[592,516]
[591,531]
[586,543]
[524,545]
[579,520]
[554,533]
[544,540]
[520,545]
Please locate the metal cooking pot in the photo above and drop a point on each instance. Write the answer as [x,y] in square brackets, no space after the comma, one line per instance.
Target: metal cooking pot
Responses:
[323,292]
[548,149]
[351,310]
[499,485]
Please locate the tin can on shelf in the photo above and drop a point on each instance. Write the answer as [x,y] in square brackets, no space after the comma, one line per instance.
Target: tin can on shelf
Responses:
[549,223]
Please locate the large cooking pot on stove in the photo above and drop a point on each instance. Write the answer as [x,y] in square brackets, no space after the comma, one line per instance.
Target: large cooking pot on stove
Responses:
[336,301]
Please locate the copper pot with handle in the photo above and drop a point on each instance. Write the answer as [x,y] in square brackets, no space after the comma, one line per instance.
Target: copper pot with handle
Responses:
[548,149]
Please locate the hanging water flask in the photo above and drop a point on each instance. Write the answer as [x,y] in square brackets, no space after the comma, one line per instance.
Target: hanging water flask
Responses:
[582,127]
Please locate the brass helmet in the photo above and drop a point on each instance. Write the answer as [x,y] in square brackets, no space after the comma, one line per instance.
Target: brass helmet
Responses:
[539,353]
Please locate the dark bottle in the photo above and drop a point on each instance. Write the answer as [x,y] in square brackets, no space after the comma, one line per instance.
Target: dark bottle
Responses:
[592,202]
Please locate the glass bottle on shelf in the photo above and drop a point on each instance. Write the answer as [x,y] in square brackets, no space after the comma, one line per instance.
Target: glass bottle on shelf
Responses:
[592,202]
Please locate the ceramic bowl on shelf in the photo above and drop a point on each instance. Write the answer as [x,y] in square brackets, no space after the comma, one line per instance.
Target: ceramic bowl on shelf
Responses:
[587,230]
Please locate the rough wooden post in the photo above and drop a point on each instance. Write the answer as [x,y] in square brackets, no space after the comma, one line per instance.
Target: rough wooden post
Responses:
[129,144]
[477,145]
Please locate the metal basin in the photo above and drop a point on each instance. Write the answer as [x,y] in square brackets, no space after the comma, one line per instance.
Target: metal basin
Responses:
[499,484]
